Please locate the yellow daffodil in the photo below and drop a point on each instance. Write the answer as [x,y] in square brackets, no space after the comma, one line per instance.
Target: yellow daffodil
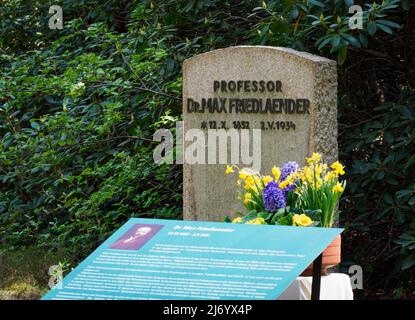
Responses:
[266,179]
[276,172]
[301,220]
[237,220]
[229,169]
[320,168]
[249,182]
[330,176]
[256,221]
[314,159]
[318,184]
[257,179]
[284,184]
[338,187]
[338,168]
[251,187]
[289,180]
[253,182]
[308,174]
[247,197]
[243,174]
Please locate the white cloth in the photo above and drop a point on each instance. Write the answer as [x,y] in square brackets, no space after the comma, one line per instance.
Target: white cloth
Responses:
[334,286]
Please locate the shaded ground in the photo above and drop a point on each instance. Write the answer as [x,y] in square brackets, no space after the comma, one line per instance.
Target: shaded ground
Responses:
[24,274]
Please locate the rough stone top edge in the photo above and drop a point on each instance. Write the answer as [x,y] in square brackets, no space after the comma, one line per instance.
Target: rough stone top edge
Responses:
[307,57]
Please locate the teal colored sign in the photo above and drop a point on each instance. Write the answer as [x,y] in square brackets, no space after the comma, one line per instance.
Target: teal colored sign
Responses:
[170,259]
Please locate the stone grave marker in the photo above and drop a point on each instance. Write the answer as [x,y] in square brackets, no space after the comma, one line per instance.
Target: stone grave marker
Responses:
[269,105]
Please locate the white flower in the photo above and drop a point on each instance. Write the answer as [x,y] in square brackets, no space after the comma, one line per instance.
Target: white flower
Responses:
[79,86]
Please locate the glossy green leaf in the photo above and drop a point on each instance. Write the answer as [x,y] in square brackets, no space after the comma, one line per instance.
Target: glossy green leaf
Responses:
[371,28]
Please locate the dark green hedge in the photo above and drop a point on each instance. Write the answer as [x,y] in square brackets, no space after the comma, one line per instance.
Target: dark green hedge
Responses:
[78,108]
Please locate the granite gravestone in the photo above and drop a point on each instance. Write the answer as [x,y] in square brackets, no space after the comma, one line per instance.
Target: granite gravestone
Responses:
[287,97]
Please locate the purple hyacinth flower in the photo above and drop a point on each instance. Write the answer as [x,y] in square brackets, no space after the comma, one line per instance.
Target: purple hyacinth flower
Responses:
[273,197]
[287,169]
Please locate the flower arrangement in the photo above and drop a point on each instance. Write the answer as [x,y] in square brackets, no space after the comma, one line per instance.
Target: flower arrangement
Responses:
[292,195]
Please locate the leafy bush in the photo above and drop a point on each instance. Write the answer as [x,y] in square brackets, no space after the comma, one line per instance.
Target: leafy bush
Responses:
[76,151]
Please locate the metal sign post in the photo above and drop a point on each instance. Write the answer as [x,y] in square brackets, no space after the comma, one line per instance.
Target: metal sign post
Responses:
[315,285]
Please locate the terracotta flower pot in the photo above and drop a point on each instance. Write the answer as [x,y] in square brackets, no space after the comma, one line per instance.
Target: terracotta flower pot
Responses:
[331,258]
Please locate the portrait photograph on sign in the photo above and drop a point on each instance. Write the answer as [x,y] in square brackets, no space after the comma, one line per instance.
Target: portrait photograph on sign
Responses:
[137,236]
